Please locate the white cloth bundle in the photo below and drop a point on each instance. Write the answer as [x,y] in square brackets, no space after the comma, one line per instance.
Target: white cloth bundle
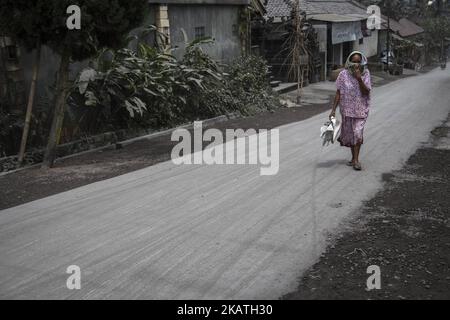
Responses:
[329,132]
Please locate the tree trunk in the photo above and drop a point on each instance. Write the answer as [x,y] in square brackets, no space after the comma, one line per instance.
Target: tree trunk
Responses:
[58,114]
[26,128]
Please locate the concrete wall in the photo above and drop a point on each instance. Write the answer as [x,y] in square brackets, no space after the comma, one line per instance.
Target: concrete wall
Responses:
[221,23]
[369,46]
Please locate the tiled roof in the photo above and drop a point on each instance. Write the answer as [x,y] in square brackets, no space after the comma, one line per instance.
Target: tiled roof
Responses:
[278,8]
[282,8]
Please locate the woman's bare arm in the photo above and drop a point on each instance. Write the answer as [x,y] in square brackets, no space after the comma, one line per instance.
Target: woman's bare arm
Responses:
[337,99]
[362,86]
[364,90]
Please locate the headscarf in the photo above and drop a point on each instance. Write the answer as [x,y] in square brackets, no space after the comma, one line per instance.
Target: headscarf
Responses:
[349,65]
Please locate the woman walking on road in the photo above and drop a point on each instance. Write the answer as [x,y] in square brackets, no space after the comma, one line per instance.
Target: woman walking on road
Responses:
[353,97]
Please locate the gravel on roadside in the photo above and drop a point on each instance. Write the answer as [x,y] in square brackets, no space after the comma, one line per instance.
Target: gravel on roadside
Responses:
[404,229]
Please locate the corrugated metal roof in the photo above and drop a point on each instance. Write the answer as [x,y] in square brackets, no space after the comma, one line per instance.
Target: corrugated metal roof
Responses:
[342,7]
[331,17]
[409,28]
[404,27]
[283,8]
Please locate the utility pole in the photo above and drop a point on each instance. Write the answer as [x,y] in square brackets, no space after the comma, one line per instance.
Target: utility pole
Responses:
[388,41]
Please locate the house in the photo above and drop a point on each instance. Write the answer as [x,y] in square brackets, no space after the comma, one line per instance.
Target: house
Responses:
[346,26]
[341,28]
[183,21]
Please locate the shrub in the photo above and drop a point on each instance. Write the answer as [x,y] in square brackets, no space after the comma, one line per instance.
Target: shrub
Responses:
[150,88]
[248,83]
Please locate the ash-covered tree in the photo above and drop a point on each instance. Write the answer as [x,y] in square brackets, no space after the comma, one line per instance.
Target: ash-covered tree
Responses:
[104,23]
[437,29]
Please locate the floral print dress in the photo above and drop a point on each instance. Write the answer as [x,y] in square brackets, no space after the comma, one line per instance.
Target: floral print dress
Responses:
[354,107]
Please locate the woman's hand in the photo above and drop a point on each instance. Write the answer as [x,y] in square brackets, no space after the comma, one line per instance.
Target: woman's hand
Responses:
[332,114]
[362,86]
[357,73]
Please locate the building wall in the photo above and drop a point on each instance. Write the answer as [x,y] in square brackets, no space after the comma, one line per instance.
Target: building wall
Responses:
[219,22]
[369,46]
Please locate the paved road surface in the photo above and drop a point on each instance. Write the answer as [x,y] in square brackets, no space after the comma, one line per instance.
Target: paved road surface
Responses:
[213,232]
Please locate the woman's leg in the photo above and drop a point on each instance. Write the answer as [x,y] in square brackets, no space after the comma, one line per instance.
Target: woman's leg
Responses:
[358,137]
[352,136]
[357,149]
[353,154]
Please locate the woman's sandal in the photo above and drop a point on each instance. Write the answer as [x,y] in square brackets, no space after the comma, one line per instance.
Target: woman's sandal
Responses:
[350,163]
[357,167]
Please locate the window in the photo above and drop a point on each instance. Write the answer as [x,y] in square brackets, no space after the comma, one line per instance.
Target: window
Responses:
[199,32]
[361,41]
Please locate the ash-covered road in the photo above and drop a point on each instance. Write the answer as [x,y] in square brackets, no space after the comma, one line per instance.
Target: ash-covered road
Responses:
[213,232]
